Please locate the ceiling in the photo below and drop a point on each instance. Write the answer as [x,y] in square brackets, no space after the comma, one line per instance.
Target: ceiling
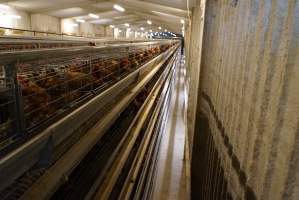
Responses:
[165,13]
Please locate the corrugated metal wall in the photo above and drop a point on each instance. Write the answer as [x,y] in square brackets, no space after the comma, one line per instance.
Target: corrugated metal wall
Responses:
[249,90]
[45,23]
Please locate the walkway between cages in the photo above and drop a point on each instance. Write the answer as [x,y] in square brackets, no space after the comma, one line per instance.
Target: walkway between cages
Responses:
[170,181]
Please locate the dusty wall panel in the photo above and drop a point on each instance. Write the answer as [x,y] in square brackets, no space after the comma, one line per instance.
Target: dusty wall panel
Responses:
[249,90]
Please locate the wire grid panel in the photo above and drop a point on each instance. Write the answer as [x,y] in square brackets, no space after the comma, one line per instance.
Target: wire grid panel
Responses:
[51,86]
[7,110]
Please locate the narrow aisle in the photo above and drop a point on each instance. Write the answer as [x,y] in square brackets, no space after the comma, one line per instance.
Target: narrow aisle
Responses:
[170,181]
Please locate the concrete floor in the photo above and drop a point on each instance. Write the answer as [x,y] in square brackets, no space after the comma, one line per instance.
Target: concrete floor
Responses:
[170,181]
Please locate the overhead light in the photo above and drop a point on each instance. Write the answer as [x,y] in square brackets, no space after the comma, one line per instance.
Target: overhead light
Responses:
[160,28]
[165,30]
[127,25]
[119,8]
[142,28]
[151,30]
[128,29]
[182,21]
[93,16]
[112,26]
[80,20]
[74,24]
[4,6]
[71,24]
[119,31]
[13,16]
[149,22]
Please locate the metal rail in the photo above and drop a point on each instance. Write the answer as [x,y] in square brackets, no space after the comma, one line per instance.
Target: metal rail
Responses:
[10,58]
[127,146]
[134,184]
[144,185]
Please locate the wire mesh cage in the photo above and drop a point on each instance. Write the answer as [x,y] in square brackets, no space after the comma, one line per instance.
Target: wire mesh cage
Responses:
[35,91]
[8,108]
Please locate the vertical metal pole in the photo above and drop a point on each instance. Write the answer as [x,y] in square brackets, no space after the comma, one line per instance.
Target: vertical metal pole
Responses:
[11,73]
[91,76]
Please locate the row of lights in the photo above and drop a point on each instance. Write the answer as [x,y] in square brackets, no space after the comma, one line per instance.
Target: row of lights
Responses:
[121,9]
[94,16]
[116,7]
[149,22]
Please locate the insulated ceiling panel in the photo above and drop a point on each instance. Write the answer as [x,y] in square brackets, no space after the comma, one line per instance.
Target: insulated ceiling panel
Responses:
[68,12]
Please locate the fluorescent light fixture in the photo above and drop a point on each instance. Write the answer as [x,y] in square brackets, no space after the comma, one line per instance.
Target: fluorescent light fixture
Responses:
[13,16]
[80,20]
[4,6]
[119,8]
[159,27]
[151,30]
[112,26]
[149,22]
[127,25]
[165,30]
[74,25]
[128,29]
[182,21]
[119,31]
[142,28]
[93,16]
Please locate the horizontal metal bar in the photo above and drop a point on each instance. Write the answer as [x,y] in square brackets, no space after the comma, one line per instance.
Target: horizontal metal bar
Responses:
[30,55]
[146,141]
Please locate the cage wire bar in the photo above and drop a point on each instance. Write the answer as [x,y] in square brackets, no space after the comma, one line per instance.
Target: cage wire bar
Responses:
[35,92]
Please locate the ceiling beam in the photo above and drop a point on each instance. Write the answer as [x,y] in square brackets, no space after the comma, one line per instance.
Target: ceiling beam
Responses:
[156,23]
[157,18]
[105,15]
[116,22]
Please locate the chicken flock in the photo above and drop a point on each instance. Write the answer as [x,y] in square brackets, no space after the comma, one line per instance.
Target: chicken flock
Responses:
[49,90]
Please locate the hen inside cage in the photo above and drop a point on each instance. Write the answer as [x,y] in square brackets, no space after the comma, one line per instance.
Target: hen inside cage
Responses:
[49,87]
